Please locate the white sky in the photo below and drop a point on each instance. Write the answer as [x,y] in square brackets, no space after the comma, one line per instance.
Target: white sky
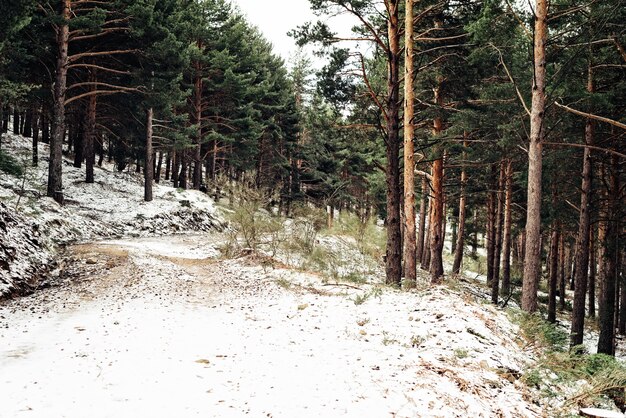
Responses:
[276,17]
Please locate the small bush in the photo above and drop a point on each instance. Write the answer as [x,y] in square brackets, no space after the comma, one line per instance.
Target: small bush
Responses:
[10,165]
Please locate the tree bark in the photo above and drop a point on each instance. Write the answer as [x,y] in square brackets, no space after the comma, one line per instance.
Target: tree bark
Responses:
[28,123]
[55,168]
[35,129]
[592,274]
[90,133]
[562,268]
[16,121]
[532,261]
[393,267]
[148,171]
[423,214]
[410,244]
[197,167]
[460,238]
[554,271]
[490,233]
[497,247]
[608,263]
[506,238]
[582,247]
[437,232]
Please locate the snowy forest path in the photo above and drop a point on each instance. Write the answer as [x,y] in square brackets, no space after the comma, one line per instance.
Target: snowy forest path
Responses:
[164,327]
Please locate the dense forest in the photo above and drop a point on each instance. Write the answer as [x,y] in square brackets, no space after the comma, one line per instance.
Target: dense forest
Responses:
[501,123]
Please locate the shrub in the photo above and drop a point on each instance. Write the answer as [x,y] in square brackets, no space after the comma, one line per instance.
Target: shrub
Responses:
[10,165]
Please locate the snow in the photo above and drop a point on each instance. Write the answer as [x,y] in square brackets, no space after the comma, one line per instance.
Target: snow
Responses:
[160,330]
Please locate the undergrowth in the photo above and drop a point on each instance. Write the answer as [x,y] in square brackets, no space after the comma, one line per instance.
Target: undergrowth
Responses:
[570,376]
[10,165]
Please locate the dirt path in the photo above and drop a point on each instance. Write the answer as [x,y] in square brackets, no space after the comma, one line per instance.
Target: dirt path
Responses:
[162,328]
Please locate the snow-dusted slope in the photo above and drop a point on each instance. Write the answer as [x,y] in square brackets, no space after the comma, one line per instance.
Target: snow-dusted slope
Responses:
[113,206]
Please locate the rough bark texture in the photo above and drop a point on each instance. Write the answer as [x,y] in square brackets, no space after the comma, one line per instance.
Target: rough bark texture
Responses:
[460,238]
[437,232]
[592,274]
[35,121]
[393,267]
[423,215]
[55,173]
[410,244]
[506,237]
[608,263]
[490,233]
[582,247]
[90,133]
[554,271]
[532,261]
[497,247]
[148,172]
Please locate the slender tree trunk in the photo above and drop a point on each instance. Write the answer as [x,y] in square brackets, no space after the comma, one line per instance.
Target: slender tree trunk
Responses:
[90,134]
[532,261]
[2,115]
[490,234]
[35,129]
[497,248]
[422,226]
[168,165]
[182,179]
[622,312]
[45,126]
[159,167]
[16,121]
[608,263]
[506,238]
[460,243]
[28,123]
[55,170]
[410,244]
[393,267]
[582,243]
[427,252]
[437,232]
[197,167]
[592,274]
[4,112]
[554,270]
[176,168]
[562,268]
[148,171]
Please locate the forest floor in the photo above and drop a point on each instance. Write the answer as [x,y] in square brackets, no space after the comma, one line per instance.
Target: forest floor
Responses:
[132,320]
[162,327]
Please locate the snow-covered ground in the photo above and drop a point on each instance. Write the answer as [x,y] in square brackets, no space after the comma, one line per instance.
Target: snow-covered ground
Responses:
[113,206]
[158,327]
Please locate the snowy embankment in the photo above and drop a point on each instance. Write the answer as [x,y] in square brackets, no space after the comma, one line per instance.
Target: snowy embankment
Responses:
[111,207]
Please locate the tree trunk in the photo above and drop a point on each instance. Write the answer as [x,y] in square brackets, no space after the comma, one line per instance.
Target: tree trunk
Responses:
[490,234]
[460,238]
[554,270]
[197,163]
[168,165]
[427,252]
[55,170]
[159,168]
[532,261]
[410,244]
[28,123]
[393,267]
[506,238]
[176,168]
[16,121]
[5,119]
[562,268]
[45,126]
[592,274]
[582,247]
[148,171]
[77,137]
[497,247]
[35,129]
[90,133]
[422,226]
[437,232]
[608,263]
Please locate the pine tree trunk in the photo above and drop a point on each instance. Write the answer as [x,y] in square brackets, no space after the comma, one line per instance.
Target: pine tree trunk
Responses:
[159,168]
[176,168]
[28,123]
[410,244]
[148,171]
[393,267]
[592,274]
[582,242]
[554,271]
[35,129]
[168,165]
[197,156]
[532,261]
[490,234]
[622,311]
[497,247]
[608,263]
[427,252]
[422,226]
[55,170]
[182,179]
[460,238]
[90,133]
[562,268]
[436,226]
[76,137]
[5,119]
[45,126]
[506,238]
[16,121]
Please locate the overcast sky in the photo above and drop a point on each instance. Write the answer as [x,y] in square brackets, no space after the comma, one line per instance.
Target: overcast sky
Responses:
[277,17]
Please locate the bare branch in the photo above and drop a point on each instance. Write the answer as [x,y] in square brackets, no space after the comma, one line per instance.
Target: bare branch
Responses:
[591,116]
